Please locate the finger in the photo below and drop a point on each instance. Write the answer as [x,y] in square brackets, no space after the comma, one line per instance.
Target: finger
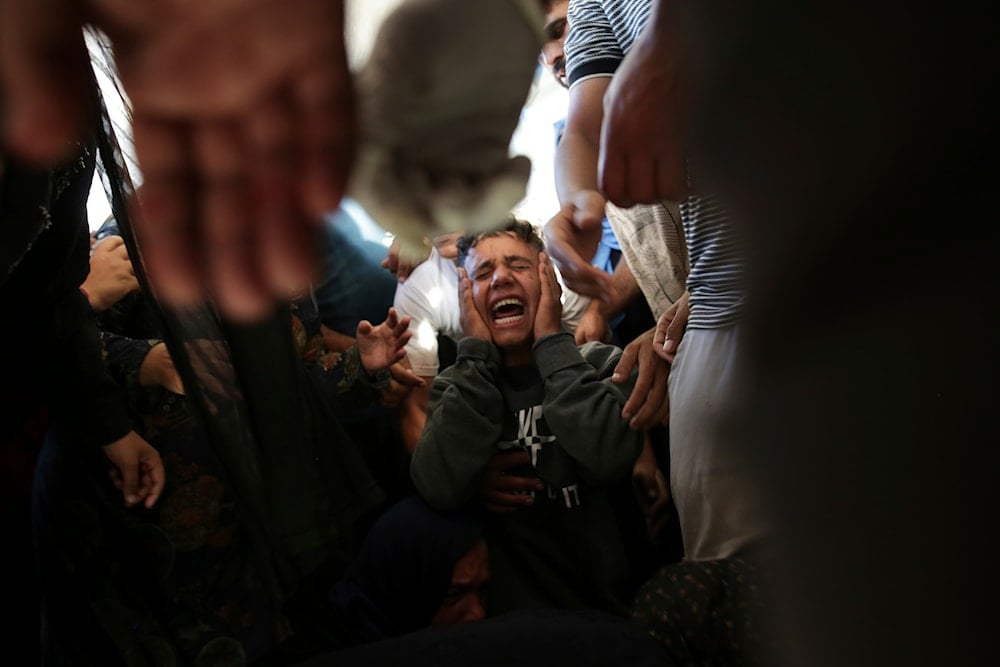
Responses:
[392,319]
[628,360]
[129,484]
[287,237]
[651,411]
[647,395]
[510,484]
[45,79]
[163,212]
[229,236]
[675,329]
[660,331]
[645,489]
[116,477]
[364,328]
[232,275]
[497,497]
[328,131]
[111,243]
[157,479]
[406,376]
[643,383]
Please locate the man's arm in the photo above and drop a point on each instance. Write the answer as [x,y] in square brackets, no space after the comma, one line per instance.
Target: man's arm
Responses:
[464,421]
[573,234]
[624,290]
[583,406]
[413,413]
[642,140]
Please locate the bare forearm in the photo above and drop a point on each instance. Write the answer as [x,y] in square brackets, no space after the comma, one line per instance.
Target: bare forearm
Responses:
[578,150]
[624,288]
[575,167]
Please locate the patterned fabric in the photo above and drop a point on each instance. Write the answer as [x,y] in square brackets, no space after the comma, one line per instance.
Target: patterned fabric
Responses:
[652,241]
[179,584]
[705,612]
[601,33]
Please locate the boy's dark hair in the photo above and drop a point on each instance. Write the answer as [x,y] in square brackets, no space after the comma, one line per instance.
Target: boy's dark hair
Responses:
[521,229]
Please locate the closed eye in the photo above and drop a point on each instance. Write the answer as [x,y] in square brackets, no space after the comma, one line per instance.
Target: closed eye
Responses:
[555,29]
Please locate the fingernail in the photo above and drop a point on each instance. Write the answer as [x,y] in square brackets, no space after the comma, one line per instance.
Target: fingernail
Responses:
[131,499]
[616,377]
[626,415]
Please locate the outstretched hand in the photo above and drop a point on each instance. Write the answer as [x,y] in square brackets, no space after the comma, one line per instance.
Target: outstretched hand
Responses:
[137,470]
[243,135]
[382,346]
[648,404]
[572,236]
[473,324]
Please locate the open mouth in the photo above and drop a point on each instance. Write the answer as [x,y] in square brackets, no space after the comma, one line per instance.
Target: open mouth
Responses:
[507,312]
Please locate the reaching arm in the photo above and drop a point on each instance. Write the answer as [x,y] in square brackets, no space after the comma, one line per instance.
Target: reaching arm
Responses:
[642,136]
[464,421]
[624,290]
[572,235]
[413,414]
[583,406]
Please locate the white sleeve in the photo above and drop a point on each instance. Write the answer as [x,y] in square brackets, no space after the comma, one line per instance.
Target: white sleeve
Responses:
[573,306]
[411,299]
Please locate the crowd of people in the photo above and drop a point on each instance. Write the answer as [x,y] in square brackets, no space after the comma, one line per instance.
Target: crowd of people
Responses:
[683,421]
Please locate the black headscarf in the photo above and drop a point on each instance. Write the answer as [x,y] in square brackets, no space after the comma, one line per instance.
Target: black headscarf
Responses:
[402,573]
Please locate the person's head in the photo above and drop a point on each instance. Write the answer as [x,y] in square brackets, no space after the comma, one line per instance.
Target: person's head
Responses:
[465,601]
[552,55]
[503,267]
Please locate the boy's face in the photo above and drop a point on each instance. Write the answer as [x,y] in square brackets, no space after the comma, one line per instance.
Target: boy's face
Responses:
[505,288]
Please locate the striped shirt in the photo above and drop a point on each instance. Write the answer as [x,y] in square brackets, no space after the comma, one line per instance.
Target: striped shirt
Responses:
[601,32]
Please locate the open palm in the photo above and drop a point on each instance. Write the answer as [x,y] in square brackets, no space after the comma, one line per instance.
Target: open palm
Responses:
[381,346]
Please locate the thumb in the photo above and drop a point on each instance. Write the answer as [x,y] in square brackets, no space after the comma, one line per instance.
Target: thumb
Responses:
[625,364]
[130,483]
[364,328]
[645,488]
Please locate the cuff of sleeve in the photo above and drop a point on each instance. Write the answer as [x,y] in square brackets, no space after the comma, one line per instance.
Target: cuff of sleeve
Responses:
[352,360]
[556,352]
[478,349]
[379,380]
